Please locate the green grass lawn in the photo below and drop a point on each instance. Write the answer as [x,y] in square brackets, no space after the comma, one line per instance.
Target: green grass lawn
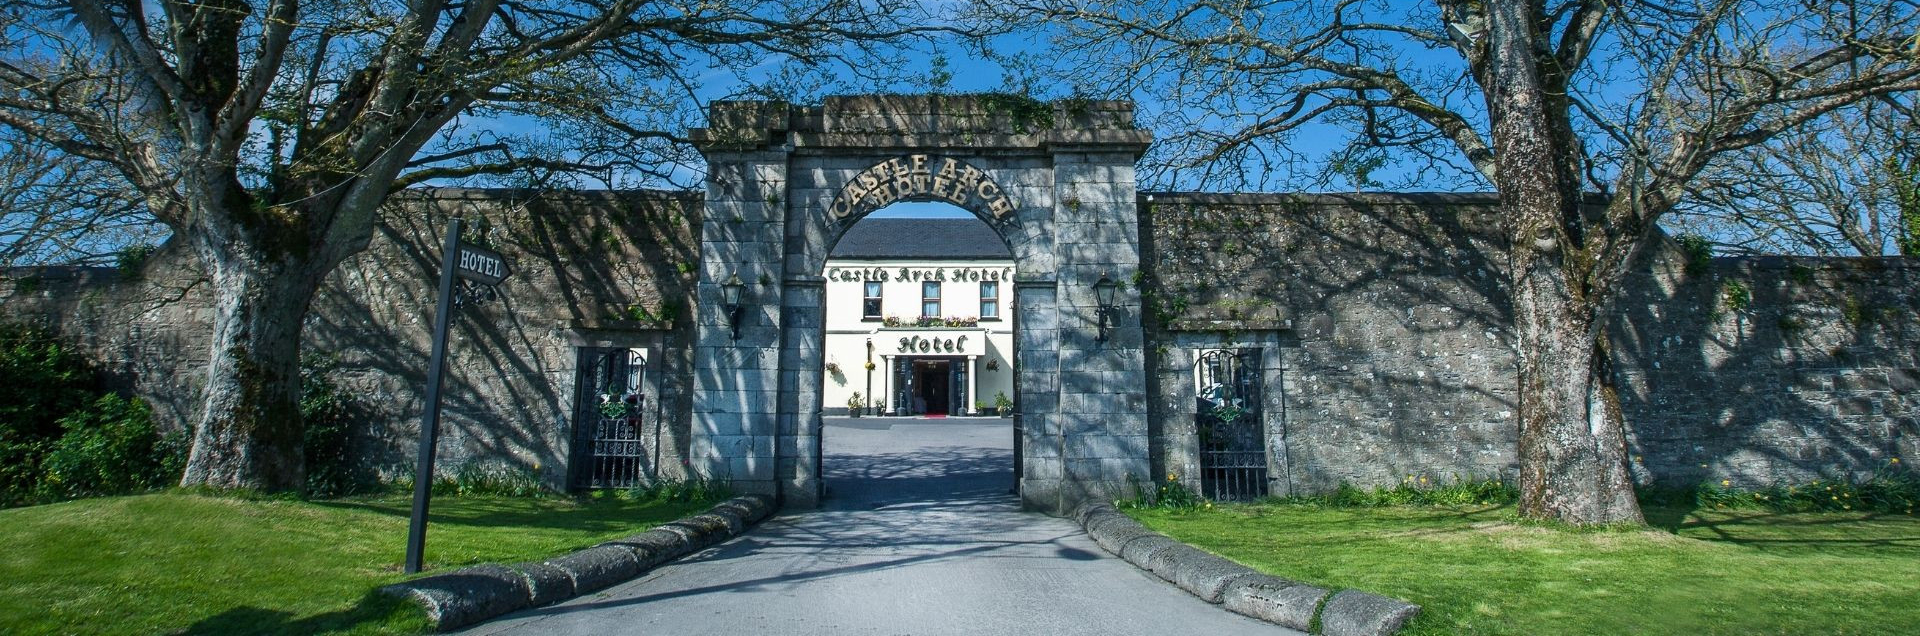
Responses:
[1475,570]
[175,562]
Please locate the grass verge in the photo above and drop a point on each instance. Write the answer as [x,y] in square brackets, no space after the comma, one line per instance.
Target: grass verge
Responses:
[174,562]
[1478,570]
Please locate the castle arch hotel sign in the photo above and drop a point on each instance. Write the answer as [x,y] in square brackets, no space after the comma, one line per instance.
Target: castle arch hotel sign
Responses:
[921,176]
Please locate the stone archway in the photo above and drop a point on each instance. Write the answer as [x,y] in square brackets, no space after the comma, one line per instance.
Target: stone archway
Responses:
[1056,181]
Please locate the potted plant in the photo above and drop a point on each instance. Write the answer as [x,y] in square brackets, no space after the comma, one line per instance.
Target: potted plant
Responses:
[1004,405]
[855,404]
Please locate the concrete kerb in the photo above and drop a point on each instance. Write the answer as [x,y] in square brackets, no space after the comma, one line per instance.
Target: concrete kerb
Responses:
[466,596]
[546,583]
[1357,613]
[473,594]
[1275,600]
[1238,588]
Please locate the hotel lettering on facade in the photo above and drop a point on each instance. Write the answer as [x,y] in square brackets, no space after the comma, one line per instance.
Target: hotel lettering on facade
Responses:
[918,319]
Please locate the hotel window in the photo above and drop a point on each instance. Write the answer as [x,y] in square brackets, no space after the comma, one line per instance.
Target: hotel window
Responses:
[990,301]
[870,307]
[930,299]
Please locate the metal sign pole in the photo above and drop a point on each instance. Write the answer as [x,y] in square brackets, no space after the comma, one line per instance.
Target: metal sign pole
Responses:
[430,421]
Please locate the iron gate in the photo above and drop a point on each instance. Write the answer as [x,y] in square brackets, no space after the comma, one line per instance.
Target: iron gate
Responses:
[610,429]
[1233,449]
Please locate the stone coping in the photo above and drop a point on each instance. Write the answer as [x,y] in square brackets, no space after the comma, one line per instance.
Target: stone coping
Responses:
[474,594]
[1238,588]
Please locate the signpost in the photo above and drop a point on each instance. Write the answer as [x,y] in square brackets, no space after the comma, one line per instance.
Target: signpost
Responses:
[478,270]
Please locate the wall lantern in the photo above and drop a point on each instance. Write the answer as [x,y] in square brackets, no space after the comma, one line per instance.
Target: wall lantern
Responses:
[1103,291]
[730,292]
[993,364]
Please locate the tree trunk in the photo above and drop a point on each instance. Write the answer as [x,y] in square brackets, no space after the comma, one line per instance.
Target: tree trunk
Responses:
[1573,464]
[249,433]
[1572,442]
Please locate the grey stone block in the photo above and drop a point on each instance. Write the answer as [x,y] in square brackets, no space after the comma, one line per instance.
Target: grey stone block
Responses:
[693,535]
[1083,512]
[598,567]
[728,517]
[750,508]
[1199,573]
[1357,613]
[654,547]
[1140,551]
[1114,531]
[1274,600]
[546,583]
[721,524]
[467,596]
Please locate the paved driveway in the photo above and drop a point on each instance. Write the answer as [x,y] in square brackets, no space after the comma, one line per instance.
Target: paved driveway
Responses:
[919,536]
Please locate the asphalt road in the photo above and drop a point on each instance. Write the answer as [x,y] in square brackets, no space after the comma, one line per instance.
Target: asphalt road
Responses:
[919,535]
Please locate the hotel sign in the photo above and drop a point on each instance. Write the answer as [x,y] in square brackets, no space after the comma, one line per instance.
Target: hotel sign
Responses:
[921,176]
[931,341]
[481,265]
[919,274]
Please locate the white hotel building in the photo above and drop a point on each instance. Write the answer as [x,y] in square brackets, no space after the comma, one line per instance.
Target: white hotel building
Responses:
[919,318]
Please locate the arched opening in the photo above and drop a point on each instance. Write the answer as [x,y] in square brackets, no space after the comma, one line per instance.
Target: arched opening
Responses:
[918,353]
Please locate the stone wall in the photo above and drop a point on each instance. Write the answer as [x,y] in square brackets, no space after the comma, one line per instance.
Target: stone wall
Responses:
[1770,369]
[146,331]
[1381,318]
[1381,321]
[584,265]
[1385,326]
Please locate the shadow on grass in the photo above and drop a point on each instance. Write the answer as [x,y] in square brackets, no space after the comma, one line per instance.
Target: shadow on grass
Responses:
[588,514]
[1762,529]
[374,613]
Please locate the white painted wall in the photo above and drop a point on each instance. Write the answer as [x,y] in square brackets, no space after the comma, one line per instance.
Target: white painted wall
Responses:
[848,331]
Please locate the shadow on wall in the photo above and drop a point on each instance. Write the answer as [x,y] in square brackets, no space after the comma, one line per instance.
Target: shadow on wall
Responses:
[1397,351]
[1770,369]
[1392,321]
[581,260]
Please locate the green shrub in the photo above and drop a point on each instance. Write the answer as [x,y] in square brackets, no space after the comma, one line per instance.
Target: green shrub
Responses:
[1169,494]
[325,410]
[482,479]
[45,380]
[694,491]
[109,448]
[1415,491]
[132,260]
[1889,490]
[1699,252]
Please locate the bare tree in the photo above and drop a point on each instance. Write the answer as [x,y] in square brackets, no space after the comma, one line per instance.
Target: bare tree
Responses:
[266,134]
[1833,187]
[59,209]
[1548,102]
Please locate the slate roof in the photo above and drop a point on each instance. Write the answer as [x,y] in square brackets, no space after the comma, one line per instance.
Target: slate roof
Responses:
[944,239]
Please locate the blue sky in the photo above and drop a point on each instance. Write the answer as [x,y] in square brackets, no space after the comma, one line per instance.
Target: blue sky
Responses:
[920,210]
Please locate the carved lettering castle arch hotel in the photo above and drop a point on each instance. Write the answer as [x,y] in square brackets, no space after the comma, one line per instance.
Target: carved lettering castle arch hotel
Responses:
[786,182]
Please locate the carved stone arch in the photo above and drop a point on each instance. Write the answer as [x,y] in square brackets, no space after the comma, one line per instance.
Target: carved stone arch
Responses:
[786,182]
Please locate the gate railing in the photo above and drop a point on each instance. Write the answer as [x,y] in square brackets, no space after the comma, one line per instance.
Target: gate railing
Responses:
[610,422]
[1233,449]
